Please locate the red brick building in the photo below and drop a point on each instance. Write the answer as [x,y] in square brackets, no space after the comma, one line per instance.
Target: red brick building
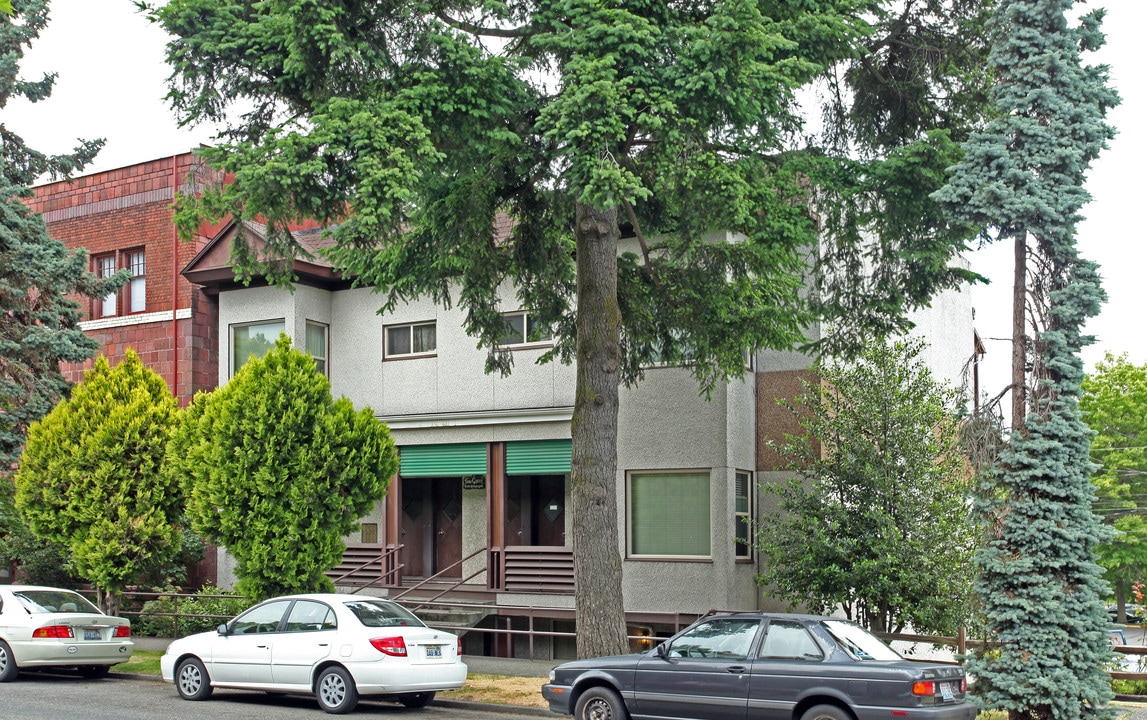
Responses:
[123,218]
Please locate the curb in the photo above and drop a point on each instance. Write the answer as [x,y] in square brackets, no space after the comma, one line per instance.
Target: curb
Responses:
[455,704]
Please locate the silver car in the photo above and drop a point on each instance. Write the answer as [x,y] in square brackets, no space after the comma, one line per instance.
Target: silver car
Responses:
[52,627]
[335,647]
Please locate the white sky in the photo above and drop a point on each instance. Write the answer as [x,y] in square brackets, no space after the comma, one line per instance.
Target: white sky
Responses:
[112,82]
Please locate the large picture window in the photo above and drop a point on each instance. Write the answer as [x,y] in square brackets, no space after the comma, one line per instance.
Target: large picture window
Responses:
[411,340]
[253,340]
[669,515]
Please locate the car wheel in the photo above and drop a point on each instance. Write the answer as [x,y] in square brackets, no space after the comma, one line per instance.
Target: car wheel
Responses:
[335,691]
[192,681]
[826,712]
[8,669]
[416,700]
[600,703]
[94,672]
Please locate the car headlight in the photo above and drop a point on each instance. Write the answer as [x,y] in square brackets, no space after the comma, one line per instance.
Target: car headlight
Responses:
[553,675]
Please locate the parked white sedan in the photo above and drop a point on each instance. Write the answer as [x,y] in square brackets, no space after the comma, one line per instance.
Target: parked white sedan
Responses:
[51,627]
[336,647]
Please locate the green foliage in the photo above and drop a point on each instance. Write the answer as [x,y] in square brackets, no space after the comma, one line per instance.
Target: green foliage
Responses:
[41,562]
[209,603]
[877,523]
[90,477]
[39,277]
[1114,405]
[278,471]
[1023,175]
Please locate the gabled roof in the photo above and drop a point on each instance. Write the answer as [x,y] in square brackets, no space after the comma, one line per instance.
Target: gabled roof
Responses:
[212,268]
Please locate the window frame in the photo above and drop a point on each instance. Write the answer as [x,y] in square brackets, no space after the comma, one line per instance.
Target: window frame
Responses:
[140,279]
[525,342]
[387,354]
[323,362]
[232,327]
[101,269]
[743,551]
[630,476]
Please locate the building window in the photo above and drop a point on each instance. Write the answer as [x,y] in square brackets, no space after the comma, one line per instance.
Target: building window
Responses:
[317,344]
[253,340]
[669,515]
[523,329]
[411,340]
[105,268]
[743,515]
[137,286]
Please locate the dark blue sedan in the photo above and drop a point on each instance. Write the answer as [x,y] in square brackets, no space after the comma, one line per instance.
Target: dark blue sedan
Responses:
[765,667]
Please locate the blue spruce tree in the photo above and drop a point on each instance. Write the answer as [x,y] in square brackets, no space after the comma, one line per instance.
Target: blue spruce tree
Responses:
[1023,176]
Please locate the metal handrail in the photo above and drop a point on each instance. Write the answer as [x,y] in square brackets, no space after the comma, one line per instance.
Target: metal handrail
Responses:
[416,586]
[382,567]
[359,568]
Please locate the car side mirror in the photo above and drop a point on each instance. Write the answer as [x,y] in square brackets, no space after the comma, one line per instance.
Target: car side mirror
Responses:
[222,629]
[662,650]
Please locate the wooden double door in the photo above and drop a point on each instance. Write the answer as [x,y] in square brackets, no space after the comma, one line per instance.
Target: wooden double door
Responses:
[431,527]
[535,510]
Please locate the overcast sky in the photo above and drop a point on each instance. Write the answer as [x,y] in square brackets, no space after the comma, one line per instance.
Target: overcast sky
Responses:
[112,82]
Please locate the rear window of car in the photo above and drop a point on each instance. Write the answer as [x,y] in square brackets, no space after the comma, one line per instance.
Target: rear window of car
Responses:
[377,613]
[52,601]
[858,642]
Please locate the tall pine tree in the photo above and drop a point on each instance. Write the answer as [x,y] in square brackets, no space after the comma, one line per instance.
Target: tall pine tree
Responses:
[39,323]
[1023,176]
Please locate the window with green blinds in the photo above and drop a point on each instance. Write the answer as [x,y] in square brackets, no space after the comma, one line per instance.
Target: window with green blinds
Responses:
[669,514]
[442,460]
[538,457]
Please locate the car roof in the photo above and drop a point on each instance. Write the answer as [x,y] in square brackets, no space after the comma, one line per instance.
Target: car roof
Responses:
[329,597]
[21,588]
[772,615]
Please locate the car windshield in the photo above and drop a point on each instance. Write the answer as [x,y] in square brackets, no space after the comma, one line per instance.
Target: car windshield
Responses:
[51,601]
[376,613]
[858,642]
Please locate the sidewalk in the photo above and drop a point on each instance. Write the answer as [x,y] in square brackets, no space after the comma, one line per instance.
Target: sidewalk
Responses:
[511,667]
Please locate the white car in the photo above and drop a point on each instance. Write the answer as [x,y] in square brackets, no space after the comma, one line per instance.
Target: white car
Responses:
[51,627]
[336,647]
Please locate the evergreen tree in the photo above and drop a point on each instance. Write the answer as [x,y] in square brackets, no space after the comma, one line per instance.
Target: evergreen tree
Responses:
[648,154]
[876,523]
[1114,405]
[39,321]
[90,476]
[1023,175]
[278,471]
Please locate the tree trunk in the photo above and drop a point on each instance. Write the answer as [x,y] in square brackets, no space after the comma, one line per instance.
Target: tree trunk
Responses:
[1019,326]
[597,561]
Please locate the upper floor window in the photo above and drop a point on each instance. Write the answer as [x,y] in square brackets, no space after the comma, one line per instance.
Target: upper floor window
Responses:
[669,514]
[137,286]
[743,515]
[317,344]
[411,340]
[522,329]
[105,268]
[253,340]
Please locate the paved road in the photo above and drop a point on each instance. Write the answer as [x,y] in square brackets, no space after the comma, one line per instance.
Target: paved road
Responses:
[40,696]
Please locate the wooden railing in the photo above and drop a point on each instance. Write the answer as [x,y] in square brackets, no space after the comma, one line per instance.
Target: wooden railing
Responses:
[532,569]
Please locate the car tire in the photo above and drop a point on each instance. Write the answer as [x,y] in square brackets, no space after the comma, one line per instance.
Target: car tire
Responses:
[8,668]
[335,691]
[826,712]
[192,680]
[94,672]
[600,703]
[416,700]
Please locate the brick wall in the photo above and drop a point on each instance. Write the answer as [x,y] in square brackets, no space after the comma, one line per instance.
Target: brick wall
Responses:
[774,420]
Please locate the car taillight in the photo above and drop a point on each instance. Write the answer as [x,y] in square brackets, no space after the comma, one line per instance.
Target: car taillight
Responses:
[53,631]
[964,684]
[927,688]
[394,646]
[123,631]
[459,647]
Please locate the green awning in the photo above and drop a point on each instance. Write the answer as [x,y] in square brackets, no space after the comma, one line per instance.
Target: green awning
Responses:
[442,460]
[538,457]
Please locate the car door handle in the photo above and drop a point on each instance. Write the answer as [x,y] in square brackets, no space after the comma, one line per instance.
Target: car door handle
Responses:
[323,644]
[261,647]
[736,669]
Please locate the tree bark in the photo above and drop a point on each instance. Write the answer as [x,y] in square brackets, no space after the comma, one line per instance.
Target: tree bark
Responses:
[1019,326]
[599,610]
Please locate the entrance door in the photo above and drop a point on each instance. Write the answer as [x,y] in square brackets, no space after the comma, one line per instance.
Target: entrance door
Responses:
[431,526]
[535,510]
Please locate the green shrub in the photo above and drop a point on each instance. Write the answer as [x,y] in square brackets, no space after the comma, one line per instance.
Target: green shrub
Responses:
[204,611]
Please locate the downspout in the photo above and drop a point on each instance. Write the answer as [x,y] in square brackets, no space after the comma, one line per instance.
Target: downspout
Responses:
[174,283]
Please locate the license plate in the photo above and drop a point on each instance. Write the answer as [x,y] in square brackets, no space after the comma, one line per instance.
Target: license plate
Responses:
[433,651]
[947,691]
[91,634]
